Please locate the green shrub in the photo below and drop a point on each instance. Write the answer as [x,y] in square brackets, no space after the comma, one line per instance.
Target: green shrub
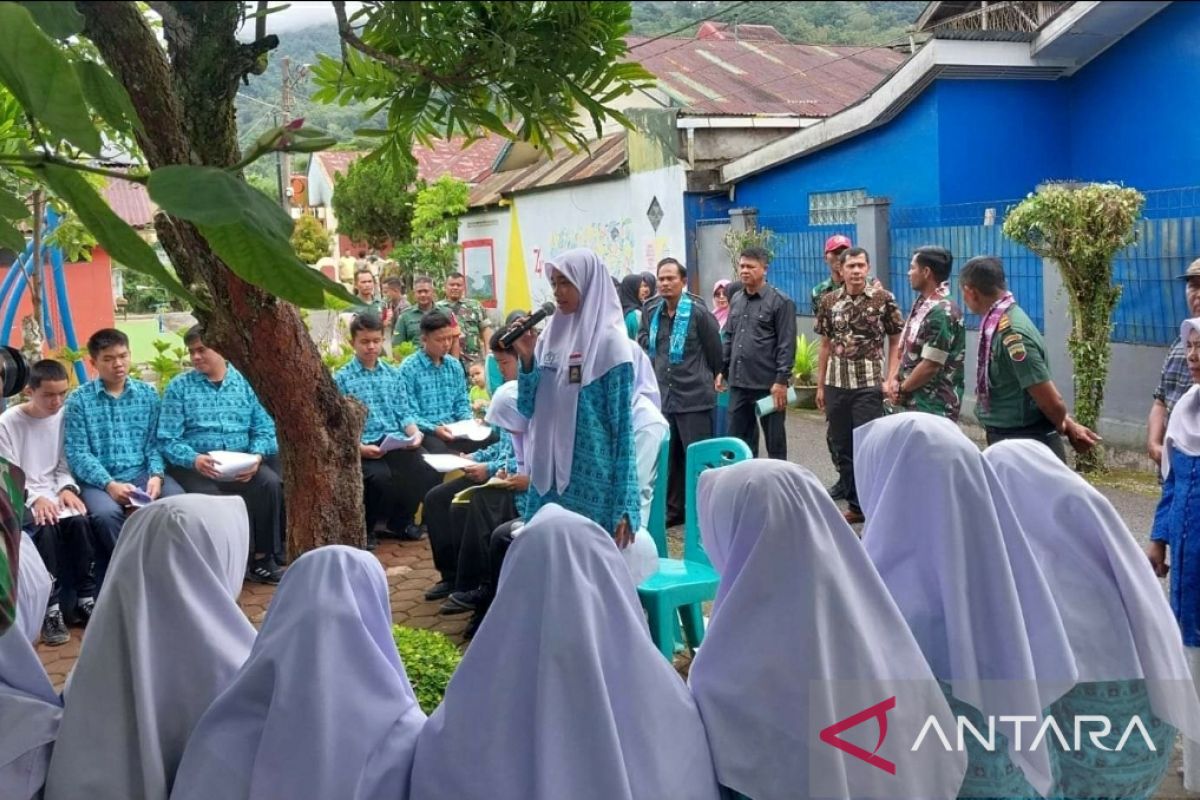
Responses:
[430,658]
[403,351]
[808,357]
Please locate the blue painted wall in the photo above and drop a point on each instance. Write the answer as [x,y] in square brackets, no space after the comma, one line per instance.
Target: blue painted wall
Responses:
[898,160]
[1132,108]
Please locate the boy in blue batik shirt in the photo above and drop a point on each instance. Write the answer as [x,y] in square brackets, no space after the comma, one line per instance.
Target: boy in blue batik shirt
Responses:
[112,441]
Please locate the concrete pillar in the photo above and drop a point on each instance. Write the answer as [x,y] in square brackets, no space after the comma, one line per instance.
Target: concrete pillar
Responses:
[743,219]
[874,235]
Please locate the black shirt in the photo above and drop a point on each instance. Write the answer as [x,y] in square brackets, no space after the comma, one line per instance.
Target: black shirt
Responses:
[760,339]
[687,386]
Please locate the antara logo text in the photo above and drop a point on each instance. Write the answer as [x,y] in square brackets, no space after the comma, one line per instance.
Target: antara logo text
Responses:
[1088,730]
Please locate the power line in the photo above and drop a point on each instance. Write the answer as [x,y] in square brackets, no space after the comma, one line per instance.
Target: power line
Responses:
[683,28]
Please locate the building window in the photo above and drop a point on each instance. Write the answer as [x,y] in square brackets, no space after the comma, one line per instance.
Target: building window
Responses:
[835,208]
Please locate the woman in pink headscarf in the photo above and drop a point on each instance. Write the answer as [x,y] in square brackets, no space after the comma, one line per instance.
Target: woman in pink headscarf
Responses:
[721,301]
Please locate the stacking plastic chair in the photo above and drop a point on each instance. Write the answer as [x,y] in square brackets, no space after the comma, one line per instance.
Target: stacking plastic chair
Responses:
[657,524]
[681,585]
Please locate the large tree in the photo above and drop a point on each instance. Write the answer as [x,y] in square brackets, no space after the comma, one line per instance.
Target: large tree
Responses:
[439,68]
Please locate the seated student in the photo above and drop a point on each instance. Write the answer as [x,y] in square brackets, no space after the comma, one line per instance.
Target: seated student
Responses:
[393,483]
[31,436]
[265,737]
[214,409]
[437,387]
[562,694]
[29,706]
[112,442]
[159,650]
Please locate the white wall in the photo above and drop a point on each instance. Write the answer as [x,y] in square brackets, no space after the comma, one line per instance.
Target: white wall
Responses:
[608,217]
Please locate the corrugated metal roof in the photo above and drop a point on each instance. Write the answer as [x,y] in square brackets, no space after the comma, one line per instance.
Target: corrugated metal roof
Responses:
[131,202]
[447,157]
[750,33]
[607,157]
[714,76]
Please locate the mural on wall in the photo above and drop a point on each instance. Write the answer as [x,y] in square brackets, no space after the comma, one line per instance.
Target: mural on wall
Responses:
[612,241]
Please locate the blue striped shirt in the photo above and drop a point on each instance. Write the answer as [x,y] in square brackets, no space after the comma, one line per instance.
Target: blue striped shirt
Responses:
[381,392]
[199,416]
[499,455]
[438,393]
[113,438]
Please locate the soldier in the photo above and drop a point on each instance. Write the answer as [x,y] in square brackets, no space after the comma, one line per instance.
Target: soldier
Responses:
[408,324]
[1014,395]
[933,343]
[473,326]
[835,248]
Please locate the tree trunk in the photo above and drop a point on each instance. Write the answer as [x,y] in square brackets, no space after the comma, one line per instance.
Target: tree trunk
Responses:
[187,112]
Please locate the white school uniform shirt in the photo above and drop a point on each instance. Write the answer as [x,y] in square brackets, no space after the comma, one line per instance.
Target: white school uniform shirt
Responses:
[562,694]
[36,446]
[166,637]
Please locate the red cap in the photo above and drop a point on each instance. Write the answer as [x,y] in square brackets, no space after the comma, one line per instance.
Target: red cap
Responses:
[837,242]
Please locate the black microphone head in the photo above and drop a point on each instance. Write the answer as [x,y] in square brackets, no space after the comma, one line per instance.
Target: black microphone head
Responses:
[548,308]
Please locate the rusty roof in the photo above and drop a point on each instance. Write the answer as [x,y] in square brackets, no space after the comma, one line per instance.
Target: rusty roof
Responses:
[724,77]
[603,158]
[749,33]
[467,162]
[131,202]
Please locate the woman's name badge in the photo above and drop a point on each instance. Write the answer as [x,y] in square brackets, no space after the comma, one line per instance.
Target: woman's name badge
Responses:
[575,368]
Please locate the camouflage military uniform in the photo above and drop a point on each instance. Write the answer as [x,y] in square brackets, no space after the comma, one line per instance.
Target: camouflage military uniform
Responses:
[471,321]
[820,290]
[12,497]
[940,336]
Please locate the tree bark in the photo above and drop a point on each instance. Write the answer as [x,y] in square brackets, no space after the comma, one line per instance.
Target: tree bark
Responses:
[186,106]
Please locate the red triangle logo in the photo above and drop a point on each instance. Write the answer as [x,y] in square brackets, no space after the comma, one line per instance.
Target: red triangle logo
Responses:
[877,712]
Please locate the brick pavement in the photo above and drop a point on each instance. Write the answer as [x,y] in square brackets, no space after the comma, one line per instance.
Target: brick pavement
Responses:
[409,567]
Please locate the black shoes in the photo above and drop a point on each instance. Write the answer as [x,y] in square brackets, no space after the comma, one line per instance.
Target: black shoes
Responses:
[54,629]
[264,570]
[414,532]
[440,591]
[461,602]
[837,491]
[84,610]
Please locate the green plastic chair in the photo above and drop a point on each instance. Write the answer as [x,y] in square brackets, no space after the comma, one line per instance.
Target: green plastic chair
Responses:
[681,585]
[657,524]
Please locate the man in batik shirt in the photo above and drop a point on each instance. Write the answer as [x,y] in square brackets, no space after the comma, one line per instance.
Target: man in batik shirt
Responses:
[933,343]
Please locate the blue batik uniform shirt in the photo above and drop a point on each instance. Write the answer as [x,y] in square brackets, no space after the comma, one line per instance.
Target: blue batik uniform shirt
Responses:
[438,393]
[200,416]
[381,391]
[113,438]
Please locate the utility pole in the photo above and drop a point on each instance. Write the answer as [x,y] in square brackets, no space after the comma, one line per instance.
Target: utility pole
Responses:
[283,160]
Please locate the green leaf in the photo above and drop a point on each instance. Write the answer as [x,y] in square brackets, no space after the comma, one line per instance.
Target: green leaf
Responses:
[107,96]
[11,238]
[120,240]
[57,19]
[42,79]
[212,196]
[12,207]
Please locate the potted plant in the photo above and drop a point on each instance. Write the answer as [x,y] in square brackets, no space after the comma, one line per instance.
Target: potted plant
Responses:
[804,371]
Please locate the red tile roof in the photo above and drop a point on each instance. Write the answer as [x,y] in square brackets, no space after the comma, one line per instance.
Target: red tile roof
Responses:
[471,163]
[714,76]
[131,202]
[607,157]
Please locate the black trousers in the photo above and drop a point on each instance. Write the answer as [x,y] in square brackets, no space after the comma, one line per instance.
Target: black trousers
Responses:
[433,444]
[845,410]
[498,544]
[393,487]
[1043,432]
[263,495]
[744,422]
[490,508]
[444,536]
[686,429]
[68,550]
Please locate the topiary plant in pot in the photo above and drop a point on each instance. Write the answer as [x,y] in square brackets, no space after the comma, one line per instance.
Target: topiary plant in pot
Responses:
[804,371]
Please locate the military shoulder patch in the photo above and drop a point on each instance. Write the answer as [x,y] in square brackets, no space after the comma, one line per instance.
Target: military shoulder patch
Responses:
[1005,323]
[1011,339]
[1016,350]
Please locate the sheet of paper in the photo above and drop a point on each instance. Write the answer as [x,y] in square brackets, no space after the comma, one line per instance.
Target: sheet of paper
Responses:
[470,429]
[398,441]
[139,499]
[67,513]
[231,464]
[446,462]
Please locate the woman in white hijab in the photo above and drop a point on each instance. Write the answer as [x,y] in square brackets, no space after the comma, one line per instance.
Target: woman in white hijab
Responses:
[562,694]
[576,389]
[166,638]
[322,709]
[30,709]
[1126,645]
[802,630]
[952,554]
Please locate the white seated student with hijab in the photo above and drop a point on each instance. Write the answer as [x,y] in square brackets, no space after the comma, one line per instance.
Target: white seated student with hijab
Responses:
[562,695]
[30,709]
[166,638]
[1127,645]
[322,709]
[951,552]
[800,620]
[649,429]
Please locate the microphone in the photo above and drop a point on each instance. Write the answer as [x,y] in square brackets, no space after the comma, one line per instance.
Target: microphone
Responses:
[526,325]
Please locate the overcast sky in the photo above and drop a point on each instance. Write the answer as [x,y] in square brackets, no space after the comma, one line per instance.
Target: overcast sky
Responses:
[302,14]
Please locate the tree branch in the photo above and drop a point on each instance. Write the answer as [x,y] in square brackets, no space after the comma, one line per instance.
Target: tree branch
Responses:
[260,23]
[34,160]
[349,37]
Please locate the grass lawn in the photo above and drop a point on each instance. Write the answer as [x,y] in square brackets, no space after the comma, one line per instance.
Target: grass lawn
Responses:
[142,333]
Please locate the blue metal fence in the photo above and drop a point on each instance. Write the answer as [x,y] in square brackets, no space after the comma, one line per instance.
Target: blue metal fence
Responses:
[799,256]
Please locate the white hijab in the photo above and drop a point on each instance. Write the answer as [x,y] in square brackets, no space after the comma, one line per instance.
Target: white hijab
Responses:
[951,552]
[1112,606]
[1183,428]
[801,621]
[502,412]
[30,709]
[647,400]
[166,638]
[322,709]
[562,694]
[594,340]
